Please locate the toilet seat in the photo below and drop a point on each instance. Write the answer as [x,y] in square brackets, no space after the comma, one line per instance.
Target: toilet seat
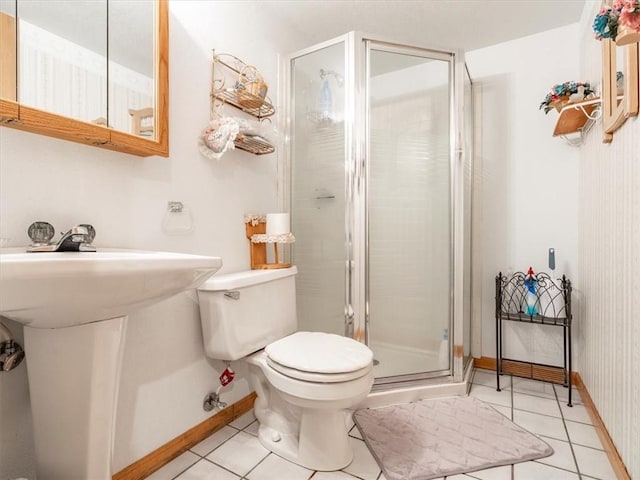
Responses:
[319,357]
[318,377]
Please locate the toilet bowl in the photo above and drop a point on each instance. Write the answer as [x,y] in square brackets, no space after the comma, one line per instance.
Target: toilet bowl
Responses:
[304,381]
[308,398]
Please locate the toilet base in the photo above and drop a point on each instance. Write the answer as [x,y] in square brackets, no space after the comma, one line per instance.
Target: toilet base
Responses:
[311,432]
[322,443]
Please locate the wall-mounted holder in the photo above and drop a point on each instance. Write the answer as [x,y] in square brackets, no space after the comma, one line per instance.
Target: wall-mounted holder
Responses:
[256,227]
[177,219]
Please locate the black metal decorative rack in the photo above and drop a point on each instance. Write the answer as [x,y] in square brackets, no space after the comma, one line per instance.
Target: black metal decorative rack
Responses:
[547,303]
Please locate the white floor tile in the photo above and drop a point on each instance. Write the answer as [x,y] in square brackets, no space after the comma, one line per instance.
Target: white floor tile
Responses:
[533,387]
[333,476]
[239,454]
[491,395]
[506,411]
[205,470]
[535,470]
[530,403]
[541,424]
[364,465]
[594,463]
[583,435]
[562,456]
[252,428]
[506,381]
[175,467]
[496,473]
[563,395]
[243,420]
[274,467]
[488,379]
[577,413]
[206,446]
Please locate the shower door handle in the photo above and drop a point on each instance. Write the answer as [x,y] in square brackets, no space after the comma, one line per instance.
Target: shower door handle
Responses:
[349,317]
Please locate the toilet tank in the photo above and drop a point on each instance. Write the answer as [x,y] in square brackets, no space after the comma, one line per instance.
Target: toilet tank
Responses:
[245,311]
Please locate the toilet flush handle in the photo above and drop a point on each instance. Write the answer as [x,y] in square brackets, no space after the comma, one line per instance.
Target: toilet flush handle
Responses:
[232,294]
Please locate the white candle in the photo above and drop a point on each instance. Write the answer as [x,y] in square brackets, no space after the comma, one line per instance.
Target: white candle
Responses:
[278,223]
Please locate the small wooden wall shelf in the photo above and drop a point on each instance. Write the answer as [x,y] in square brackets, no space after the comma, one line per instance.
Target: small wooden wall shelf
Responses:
[258,241]
[577,118]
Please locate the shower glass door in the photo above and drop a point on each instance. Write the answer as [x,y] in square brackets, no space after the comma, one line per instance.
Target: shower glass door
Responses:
[318,186]
[409,219]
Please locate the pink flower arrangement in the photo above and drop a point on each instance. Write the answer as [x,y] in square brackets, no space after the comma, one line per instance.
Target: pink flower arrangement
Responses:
[629,13]
[625,13]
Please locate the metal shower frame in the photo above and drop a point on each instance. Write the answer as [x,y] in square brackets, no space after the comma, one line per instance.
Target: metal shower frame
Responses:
[357,47]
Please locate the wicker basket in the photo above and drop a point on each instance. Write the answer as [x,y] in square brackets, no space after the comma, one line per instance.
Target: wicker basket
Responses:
[251,88]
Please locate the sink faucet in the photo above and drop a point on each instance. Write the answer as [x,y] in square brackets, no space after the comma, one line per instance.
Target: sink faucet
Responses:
[77,239]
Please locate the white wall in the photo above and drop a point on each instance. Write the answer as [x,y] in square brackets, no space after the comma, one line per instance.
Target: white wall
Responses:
[165,373]
[609,228]
[527,180]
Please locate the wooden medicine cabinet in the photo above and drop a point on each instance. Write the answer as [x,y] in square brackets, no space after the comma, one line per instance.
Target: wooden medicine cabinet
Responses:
[94,73]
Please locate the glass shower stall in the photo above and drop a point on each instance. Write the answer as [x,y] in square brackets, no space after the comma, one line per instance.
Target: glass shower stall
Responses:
[376,174]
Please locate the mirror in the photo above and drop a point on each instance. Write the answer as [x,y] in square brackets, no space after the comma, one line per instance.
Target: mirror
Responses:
[62,57]
[90,71]
[8,87]
[619,81]
[131,66]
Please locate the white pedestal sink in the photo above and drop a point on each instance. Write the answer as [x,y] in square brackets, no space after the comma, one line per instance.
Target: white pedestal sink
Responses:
[74,307]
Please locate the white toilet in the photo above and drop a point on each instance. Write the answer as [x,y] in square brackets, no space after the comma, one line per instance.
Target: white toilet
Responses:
[304,381]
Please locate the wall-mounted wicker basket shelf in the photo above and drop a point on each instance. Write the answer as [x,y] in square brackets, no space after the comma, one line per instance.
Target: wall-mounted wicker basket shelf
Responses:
[255,145]
[260,109]
[229,86]
[226,70]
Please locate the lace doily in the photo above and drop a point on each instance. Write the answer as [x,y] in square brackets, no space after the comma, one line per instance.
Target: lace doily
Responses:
[255,218]
[264,238]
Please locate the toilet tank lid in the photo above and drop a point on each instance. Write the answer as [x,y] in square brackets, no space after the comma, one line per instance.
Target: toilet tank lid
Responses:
[231,281]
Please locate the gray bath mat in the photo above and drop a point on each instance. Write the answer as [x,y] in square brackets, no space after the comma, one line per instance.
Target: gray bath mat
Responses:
[434,438]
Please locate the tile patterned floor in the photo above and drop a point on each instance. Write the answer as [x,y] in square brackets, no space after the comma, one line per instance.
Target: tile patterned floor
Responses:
[234,452]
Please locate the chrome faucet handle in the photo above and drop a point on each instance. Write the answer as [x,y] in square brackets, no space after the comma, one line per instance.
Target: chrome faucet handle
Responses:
[40,233]
[77,239]
[90,233]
